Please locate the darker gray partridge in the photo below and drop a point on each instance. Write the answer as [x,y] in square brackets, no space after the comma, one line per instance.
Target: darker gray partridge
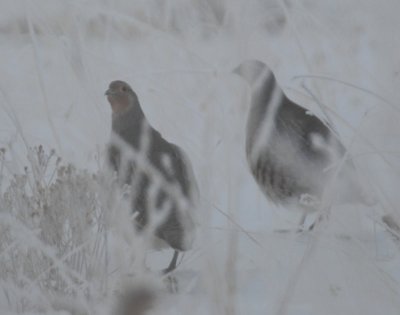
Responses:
[130,130]
[293,155]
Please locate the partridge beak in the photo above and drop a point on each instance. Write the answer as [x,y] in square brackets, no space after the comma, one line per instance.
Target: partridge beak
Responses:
[109,92]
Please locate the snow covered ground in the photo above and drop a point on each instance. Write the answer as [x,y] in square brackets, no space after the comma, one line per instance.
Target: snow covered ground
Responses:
[56,60]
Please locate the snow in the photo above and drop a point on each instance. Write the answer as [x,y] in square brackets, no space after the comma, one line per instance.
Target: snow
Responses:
[56,60]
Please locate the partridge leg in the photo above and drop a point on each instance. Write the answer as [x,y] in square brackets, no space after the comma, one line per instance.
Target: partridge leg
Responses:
[172,264]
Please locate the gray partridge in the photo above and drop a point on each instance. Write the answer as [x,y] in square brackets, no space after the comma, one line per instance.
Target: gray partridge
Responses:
[130,130]
[293,156]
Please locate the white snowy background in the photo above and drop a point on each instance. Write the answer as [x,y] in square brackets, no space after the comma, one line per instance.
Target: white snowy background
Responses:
[56,60]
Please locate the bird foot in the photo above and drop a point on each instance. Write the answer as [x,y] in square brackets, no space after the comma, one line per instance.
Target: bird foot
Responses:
[309,201]
[301,229]
[168,270]
[391,225]
[291,231]
[171,283]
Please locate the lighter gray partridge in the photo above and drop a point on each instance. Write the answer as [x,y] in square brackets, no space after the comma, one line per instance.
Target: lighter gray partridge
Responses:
[293,156]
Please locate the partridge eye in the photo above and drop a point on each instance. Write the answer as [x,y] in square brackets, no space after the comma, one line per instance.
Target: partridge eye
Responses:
[124,89]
